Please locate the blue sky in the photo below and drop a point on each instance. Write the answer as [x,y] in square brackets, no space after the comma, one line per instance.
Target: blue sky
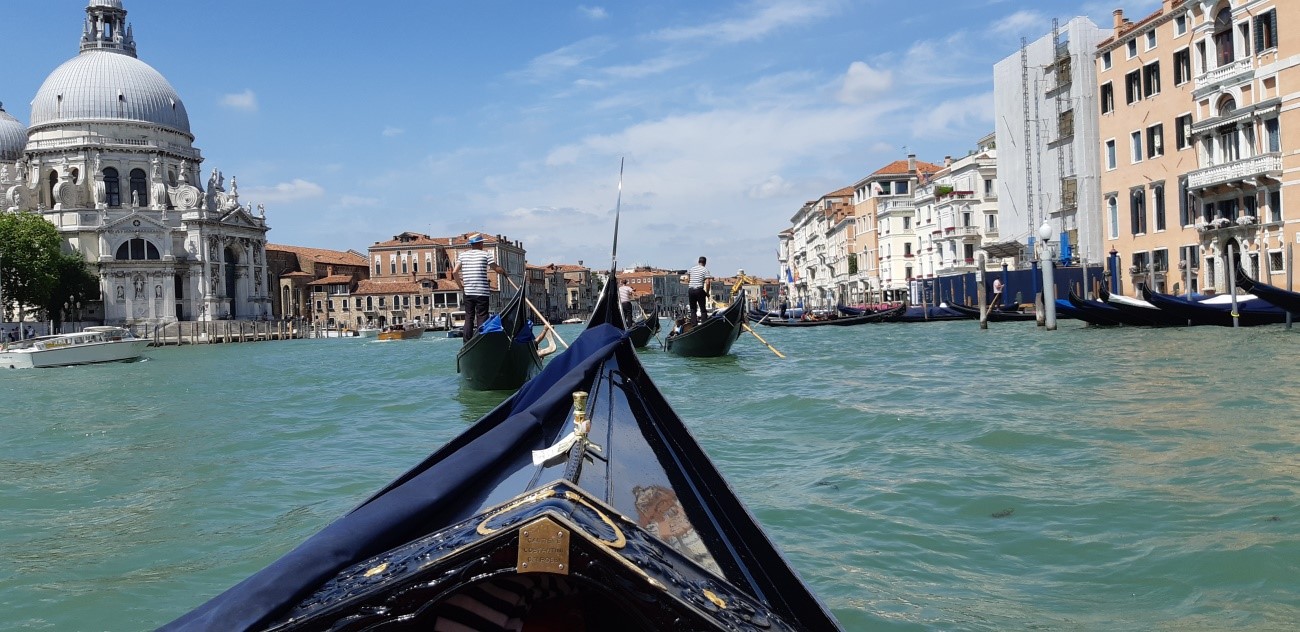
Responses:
[353,122]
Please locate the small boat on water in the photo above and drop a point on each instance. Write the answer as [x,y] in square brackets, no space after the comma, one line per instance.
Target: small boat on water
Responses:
[368,332]
[580,503]
[401,331]
[1217,310]
[88,346]
[714,336]
[839,321]
[926,314]
[1283,299]
[995,315]
[644,329]
[1096,312]
[1142,312]
[503,354]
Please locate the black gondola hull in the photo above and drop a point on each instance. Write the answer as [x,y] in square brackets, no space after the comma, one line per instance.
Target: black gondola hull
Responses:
[994,315]
[496,362]
[1201,313]
[844,321]
[713,337]
[643,330]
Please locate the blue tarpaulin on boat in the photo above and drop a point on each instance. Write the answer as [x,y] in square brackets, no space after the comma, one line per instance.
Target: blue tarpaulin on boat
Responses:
[493,323]
[526,332]
[402,510]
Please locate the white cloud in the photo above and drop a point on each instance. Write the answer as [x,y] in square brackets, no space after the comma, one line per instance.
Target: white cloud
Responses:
[1022,22]
[773,186]
[357,201]
[763,17]
[246,101]
[658,65]
[862,82]
[566,58]
[594,13]
[292,191]
[958,117]
[390,131]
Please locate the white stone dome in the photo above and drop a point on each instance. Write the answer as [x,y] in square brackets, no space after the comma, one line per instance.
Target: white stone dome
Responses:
[107,85]
[13,137]
[112,4]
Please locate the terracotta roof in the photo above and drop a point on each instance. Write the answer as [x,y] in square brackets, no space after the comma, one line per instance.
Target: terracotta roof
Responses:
[333,280]
[321,255]
[900,167]
[295,274]
[846,191]
[1132,27]
[565,267]
[369,286]
[417,239]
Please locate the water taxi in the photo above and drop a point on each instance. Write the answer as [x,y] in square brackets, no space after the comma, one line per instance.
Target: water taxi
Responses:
[401,331]
[92,345]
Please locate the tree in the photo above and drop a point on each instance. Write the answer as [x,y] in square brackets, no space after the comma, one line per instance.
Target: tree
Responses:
[30,257]
[74,284]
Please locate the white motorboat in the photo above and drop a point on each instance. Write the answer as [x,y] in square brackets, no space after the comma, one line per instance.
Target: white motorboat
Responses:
[94,344]
[368,332]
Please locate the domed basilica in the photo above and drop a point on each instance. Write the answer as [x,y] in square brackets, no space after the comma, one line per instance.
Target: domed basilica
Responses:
[109,159]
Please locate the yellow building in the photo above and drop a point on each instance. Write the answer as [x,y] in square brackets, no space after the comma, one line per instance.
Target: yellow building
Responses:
[1200,95]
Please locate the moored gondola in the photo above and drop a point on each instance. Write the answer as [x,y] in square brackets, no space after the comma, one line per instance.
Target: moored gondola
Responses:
[1217,310]
[621,523]
[504,357]
[926,314]
[643,330]
[1283,299]
[994,315]
[842,321]
[714,336]
[1142,312]
[1095,312]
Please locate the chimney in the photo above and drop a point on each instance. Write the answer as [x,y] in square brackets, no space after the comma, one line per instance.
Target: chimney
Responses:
[911,162]
[329,270]
[1119,20]
[947,161]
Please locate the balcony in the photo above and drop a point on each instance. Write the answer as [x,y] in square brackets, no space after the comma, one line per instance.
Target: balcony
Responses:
[895,207]
[1262,165]
[958,232]
[1225,73]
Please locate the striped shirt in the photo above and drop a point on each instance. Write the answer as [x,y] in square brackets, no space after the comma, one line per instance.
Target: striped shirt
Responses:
[474,266]
[697,274]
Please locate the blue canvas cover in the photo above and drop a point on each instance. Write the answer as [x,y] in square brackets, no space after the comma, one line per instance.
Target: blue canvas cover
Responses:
[405,508]
[493,323]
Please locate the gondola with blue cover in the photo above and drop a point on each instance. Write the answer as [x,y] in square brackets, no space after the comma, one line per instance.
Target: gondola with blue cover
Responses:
[504,353]
[582,502]
[1251,311]
[1283,299]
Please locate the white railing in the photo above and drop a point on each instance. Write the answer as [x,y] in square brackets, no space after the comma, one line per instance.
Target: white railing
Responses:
[892,206]
[1235,170]
[1224,72]
[101,141]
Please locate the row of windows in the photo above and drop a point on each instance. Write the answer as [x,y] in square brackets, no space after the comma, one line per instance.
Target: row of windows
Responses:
[1229,210]
[1226,146]
[438,299]
[1265,30]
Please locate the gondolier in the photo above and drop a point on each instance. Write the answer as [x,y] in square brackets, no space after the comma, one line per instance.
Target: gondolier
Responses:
[625,295]
[696,295]
[470,272]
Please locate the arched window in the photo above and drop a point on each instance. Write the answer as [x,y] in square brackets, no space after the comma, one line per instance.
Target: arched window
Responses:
[1138,212]
[139,187]
[112,188]
[1227,105]
[1224,45]
[137,250]
[54,179]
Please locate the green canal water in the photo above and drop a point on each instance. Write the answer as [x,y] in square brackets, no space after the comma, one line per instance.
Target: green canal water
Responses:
[919,477]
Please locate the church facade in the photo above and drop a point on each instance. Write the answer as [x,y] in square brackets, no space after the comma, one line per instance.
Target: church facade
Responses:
[109,159]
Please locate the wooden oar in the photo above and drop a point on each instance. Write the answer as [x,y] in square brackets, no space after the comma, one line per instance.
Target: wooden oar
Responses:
[546,324]
[751,330]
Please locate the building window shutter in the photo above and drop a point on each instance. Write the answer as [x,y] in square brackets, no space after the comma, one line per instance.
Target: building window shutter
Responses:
[1261,23]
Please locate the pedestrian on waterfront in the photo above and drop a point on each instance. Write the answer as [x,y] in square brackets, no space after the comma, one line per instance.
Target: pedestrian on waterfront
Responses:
[625,295]
[697,279]
[471,273]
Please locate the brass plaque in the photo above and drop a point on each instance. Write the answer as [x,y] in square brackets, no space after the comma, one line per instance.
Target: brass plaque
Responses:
[543,547]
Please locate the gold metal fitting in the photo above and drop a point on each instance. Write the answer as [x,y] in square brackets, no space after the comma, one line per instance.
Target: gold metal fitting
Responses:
[581,425]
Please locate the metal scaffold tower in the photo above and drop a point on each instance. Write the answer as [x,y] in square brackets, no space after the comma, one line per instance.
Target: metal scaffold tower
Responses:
[1029,146]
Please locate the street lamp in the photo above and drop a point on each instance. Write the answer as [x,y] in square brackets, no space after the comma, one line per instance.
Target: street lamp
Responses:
[1046,255]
